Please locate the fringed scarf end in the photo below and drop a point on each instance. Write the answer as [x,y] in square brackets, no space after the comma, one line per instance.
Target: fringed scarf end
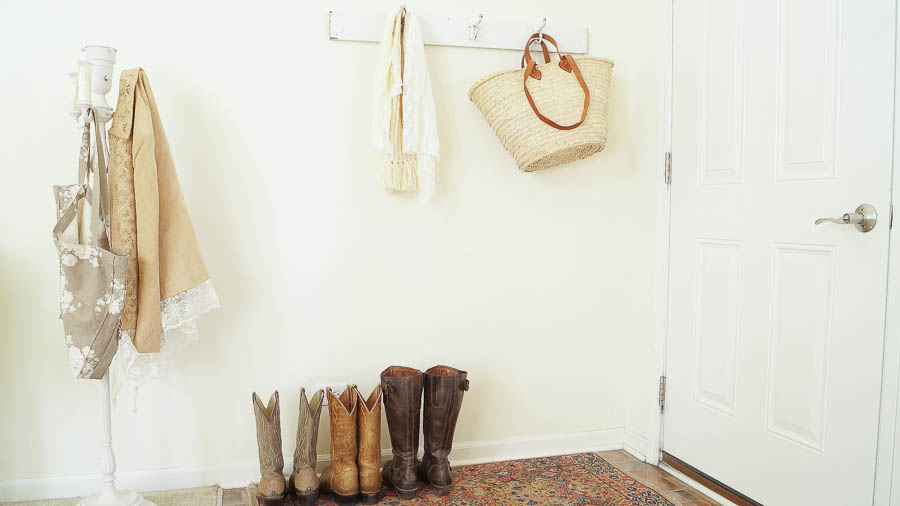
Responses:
[400,174]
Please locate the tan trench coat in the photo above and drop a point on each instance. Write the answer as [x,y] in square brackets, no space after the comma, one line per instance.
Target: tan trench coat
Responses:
[148,216]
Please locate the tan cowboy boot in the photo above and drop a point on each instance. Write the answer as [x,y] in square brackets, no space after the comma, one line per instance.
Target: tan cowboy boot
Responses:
[341,478]
[403,407]
[369,458]
[444,390]
[304,484]
[271,489]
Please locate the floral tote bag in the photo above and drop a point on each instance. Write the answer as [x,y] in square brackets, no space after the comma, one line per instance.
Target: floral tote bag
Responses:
[92,276]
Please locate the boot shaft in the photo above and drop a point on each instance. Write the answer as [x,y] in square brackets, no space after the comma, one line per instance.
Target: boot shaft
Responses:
[443,396]
[342,414]
[402,390]
[369,436]
[369,425]
[308,430]
[268,434]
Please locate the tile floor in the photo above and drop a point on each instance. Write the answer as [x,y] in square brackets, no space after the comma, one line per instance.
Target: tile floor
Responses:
[673,489]
[676,491]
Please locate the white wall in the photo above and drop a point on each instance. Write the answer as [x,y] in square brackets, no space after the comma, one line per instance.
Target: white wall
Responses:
[540,285]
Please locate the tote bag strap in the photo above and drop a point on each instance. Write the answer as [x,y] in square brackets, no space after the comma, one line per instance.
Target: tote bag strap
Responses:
[100,199]
[84,155]
[84,166]
[98,196]
[68,215]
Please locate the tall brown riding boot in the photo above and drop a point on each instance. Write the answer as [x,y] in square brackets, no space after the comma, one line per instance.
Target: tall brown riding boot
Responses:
[271,488]
[444,389]
[341,478]
[369,458]
[402,388]
[304,483]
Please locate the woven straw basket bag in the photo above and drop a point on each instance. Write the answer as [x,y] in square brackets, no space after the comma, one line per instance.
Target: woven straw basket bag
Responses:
[547,114]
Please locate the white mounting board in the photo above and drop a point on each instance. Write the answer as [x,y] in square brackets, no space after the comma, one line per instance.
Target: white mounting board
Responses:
[444,31]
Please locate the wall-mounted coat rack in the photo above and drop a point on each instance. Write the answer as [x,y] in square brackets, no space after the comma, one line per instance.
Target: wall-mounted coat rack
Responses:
[475,31]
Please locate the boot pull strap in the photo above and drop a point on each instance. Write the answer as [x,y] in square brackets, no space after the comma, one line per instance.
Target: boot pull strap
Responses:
[385,389]
[465,385]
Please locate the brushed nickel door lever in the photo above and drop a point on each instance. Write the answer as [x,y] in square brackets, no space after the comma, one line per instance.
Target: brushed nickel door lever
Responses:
[864,218]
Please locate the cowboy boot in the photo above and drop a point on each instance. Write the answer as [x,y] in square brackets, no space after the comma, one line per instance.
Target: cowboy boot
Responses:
[271,488]
[304,484]
[369,458]
[402,390]
[341,478]
[444,389]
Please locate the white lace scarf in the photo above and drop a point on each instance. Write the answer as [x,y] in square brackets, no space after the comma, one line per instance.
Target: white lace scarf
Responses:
[413,168]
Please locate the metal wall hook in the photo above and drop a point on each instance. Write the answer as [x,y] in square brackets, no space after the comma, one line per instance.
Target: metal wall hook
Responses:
[473,28]
[540,30]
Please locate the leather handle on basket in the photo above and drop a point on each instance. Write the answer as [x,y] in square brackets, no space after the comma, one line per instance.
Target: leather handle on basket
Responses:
[537,37]
[543,50]
[566,63]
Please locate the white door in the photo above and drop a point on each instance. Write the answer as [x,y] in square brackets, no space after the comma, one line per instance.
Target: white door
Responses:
[782,114]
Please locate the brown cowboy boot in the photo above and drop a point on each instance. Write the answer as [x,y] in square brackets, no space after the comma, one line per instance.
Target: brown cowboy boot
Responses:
[341,478]
[402,390]
[271,488]
[444,389]
[304,484]
[369,458]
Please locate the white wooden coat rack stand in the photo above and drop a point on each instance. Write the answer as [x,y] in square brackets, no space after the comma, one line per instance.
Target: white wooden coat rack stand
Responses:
[94,80]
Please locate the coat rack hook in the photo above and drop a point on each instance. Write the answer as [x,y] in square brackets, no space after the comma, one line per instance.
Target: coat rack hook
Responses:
[540,30]
[473,28]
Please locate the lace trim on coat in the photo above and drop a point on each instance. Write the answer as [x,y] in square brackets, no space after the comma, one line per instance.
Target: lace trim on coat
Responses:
[131,368]
[123,221]
[186,306]
[122,118]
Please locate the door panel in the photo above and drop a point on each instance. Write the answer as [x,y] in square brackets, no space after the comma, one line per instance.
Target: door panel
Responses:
[798,344]
[716,320]
[782,114]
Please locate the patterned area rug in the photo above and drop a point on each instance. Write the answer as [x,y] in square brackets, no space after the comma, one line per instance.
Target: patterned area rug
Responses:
[571,480]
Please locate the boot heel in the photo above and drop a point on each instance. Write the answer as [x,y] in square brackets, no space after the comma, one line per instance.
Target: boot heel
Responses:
[345,500]
[370,498]
[273,501]
[407,494]
[305,499]
[443,490]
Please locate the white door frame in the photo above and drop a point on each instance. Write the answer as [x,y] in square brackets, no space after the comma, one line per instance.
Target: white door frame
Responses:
[663,213]
[887,471]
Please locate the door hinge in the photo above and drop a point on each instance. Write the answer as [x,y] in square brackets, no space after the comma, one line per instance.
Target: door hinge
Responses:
[668,175]
[662,392]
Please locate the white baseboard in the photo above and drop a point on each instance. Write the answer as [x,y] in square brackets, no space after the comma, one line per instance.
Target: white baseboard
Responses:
[157,479]
[635,444]
[240,474]
[479,452]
